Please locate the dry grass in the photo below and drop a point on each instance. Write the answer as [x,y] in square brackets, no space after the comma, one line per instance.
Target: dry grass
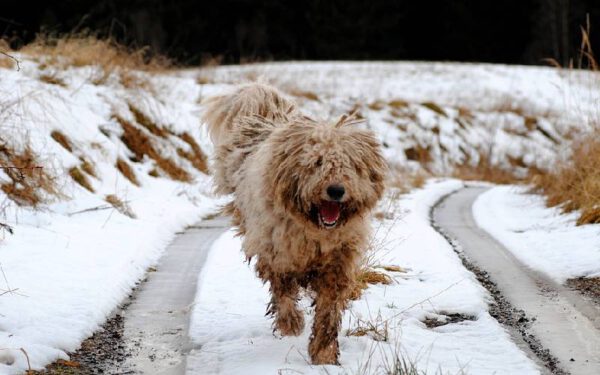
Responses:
[88,167]
[435,108]
[146,122]
[419,153]
[119,205]
[52,79]
[485,171]
[365,277]
[376,328]
[135,80]
[368,275]
[123,167]
[397,104]
[6,62]
[84,49]
[78,176]
[406,181]
[575,184]
[62,140]
[309,95]
[141,145]
[87,49]
[30,184]
[196,156]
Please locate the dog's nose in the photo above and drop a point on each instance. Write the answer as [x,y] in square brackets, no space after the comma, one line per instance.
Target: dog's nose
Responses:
[336,192]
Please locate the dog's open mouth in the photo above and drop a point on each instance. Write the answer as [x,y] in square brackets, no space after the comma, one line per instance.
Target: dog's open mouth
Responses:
[329,213]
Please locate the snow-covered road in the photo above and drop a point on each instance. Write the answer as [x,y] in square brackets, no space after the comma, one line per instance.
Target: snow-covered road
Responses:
[434,315]
[157,321]
[562,321]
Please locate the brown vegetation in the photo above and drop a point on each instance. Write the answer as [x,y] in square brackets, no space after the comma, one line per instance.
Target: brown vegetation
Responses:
[83,49]
[62,139]
[6,62]
[141,145]
[575,184]
[88,167]
[368,276]
[484,170]
[135,80]
[52,79]
[377,329]
[120,205]
[126,171]
[78,176]
[406,181]
[309,95]
[30,184]
[146,122]
[435,108]
[196,156]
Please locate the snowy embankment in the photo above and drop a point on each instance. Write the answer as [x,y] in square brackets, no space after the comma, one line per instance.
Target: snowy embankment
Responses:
[434,314]
[543,238]
[72,260]
[439,115]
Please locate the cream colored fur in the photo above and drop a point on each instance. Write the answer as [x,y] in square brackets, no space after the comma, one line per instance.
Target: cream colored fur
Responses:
[278,163]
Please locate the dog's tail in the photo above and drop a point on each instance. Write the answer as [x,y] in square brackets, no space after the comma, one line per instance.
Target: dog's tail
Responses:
[222,114]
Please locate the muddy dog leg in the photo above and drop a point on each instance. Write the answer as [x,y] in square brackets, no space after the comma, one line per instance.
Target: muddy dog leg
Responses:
[289,320]
[332,287]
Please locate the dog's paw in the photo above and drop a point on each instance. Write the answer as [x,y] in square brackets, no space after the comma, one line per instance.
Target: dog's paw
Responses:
[290,323]
[327,355]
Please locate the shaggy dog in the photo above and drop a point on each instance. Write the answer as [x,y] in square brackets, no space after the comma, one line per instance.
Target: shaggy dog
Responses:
[303,191]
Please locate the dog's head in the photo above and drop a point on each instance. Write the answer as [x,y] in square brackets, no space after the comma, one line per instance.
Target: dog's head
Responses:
[326,174]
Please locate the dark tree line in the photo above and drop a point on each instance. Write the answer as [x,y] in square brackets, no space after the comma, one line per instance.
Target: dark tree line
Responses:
[507,31]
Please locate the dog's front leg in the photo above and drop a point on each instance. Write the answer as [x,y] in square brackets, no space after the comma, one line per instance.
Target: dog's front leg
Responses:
[332,287]
[289,320]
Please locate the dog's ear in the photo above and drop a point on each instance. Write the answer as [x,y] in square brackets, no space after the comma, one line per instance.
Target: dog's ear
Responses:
[349,119]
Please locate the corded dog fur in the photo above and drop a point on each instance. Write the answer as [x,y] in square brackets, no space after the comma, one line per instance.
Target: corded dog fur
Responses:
[303,190]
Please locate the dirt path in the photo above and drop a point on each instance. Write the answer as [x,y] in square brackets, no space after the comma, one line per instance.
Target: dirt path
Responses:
[156,322]
[148,334]
[558,325]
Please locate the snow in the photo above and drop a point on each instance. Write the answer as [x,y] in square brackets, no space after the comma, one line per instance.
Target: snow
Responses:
[232,335]
[514,116]
[543,238]
[72,262]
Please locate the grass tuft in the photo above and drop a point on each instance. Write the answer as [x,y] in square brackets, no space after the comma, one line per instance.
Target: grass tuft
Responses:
[486,171]
[120,205]
[196,156]
[78,176]
[377,329]
[304,94]
[28,182]
[575,184]
[141,145]
[368,276]
[62,140]
[87,49]
[145,121]
[88,167]
[435,108]
[127,171]
[52,79]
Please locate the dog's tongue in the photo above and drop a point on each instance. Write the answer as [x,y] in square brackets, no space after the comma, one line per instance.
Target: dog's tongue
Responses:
[330,211]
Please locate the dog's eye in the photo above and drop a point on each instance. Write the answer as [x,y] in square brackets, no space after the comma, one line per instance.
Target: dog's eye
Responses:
[319,162]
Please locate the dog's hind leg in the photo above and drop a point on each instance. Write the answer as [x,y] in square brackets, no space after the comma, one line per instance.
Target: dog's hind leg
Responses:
[289,320]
